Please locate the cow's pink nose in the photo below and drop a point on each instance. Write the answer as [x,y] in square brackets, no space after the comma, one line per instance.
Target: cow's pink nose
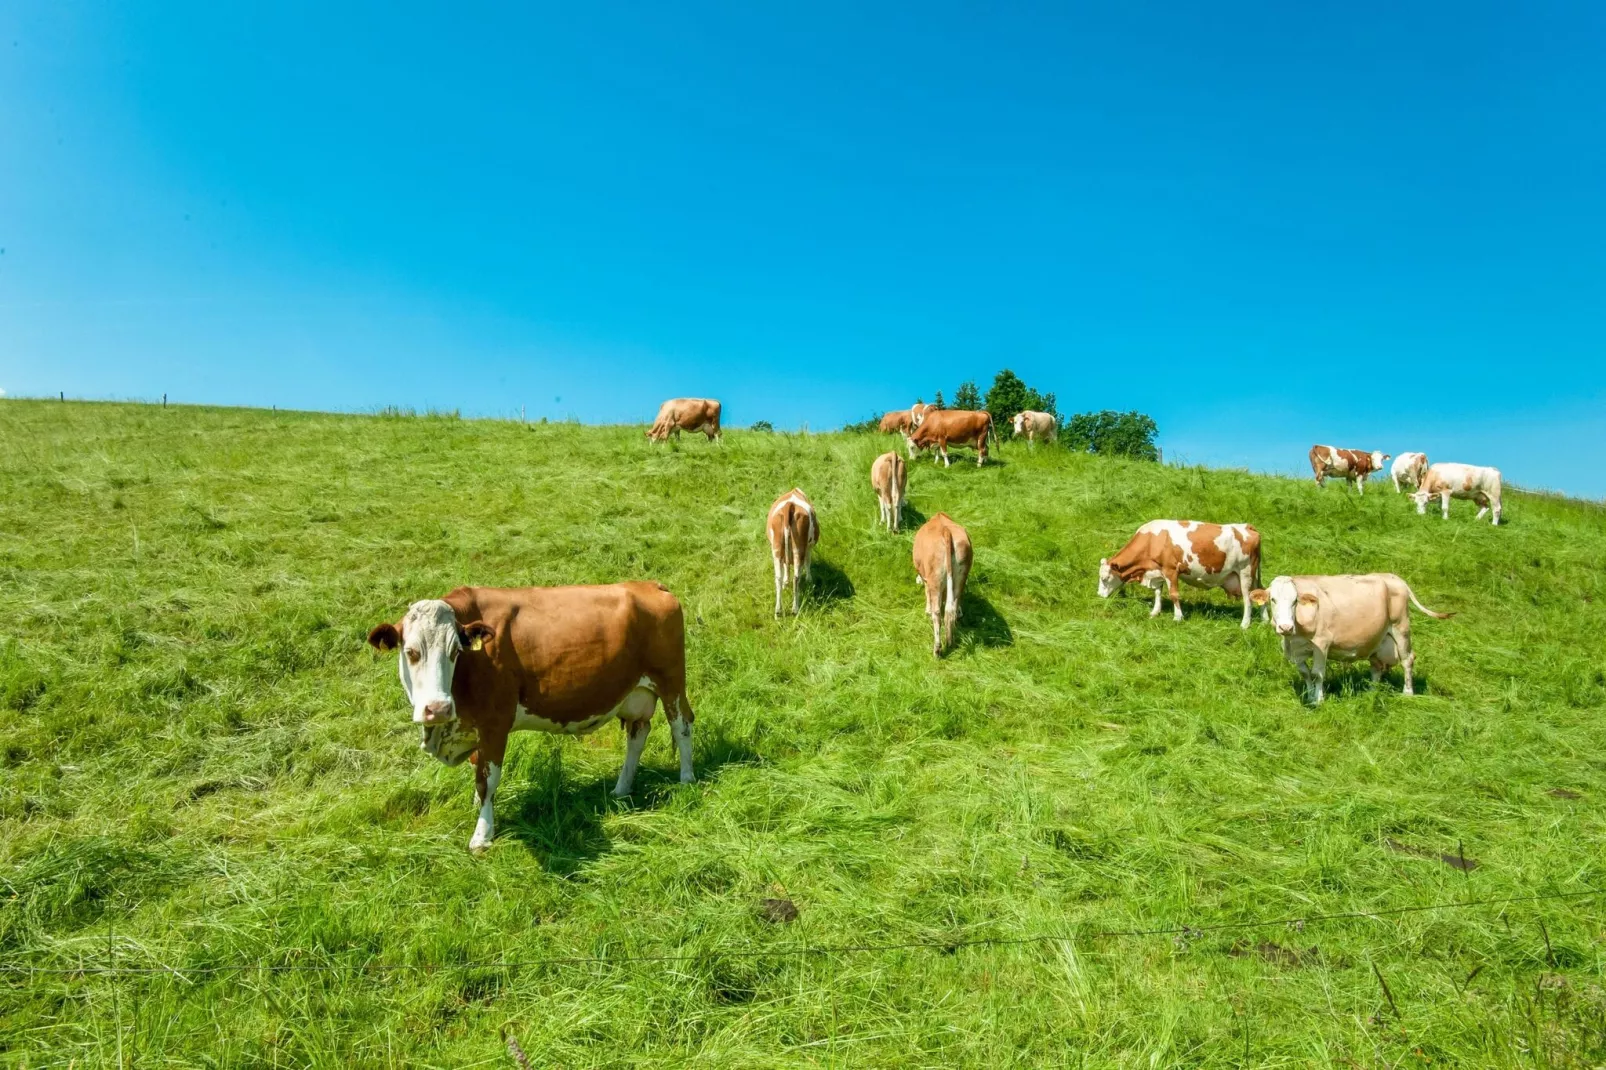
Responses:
[437,711]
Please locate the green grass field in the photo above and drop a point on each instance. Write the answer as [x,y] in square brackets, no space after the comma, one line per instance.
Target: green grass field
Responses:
[206,775]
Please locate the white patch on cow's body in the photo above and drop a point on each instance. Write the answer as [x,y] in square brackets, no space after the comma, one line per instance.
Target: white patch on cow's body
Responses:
[637,704]
[449,742]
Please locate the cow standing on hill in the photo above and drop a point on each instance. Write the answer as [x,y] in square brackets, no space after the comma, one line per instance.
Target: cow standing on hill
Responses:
[942,555]
[897,422]
[793,530]
[961,427]
[1036,425]
[686,414]
[486,661]
[1469,482]
[1200,555]
[1407,470]
[889,476]
[1351,465]
[1343,618]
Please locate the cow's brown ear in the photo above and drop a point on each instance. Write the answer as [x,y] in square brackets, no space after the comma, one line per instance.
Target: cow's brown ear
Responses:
[1259,596]
[1307,599]
[473,636]
[386,636]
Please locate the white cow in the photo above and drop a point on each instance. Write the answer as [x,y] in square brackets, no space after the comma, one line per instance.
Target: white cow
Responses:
[1469,481]
[1036,425]
[1407,470]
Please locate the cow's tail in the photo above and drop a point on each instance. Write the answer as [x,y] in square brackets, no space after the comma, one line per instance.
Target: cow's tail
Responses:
[1423,608]
[952,604]
[787,565]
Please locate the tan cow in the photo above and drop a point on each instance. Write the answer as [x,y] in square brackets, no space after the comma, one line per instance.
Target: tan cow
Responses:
[1407,470]
[897,422]
[1200,555]
[793,530]
[1343,618]
[961,427]
[889,476]
[486,661]
[1350,465]
[686,414]
[1036,425]
[1469,482]
[942,563]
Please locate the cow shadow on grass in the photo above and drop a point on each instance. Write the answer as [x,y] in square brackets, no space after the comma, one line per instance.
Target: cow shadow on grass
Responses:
[982,625]
[911,519]
[560,821]
[1354,680]
[828,584]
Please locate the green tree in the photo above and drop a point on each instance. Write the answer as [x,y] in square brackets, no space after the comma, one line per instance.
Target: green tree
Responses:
[1112,434]
[967,396]
[938,403]
[1010,394]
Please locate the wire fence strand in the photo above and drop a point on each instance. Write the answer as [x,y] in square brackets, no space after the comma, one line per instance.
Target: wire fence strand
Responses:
[947,945]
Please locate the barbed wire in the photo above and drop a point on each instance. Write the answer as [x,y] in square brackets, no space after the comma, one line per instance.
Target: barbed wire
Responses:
[948,945]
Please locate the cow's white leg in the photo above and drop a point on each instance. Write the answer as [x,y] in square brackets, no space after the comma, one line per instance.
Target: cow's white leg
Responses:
[946,463]
[635,743]
[1243,588]
[1318,675]
[780,581]
[1481,510]
[1176,599]
[485,827]
[796,583]
[1396,482]
[1495,508]
[1444,500]
[1408,663]
[680,729]
[1159,593]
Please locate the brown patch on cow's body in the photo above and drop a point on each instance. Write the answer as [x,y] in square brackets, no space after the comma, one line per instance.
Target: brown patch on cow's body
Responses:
[1203,539]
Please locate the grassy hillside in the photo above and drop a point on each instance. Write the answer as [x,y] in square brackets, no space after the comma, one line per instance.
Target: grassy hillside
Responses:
[202,765]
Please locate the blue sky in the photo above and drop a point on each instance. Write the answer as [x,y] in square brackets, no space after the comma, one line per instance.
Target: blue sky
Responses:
[1266,225]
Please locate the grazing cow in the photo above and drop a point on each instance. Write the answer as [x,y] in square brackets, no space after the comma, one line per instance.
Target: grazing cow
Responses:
[1408,469]
[897,422]
[686,414]
[942,563]
[962,427]
[1351,465]
[793,531]
[1036,425]
[1200,555]
[918,411]
[1467,481]
[1343,618]
[486,661]
[889,475]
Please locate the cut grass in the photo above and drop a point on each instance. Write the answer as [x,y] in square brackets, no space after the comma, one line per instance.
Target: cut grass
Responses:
[203,766]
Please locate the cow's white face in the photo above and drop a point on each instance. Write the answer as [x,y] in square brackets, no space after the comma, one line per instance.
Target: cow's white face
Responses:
[1284,599]
[431,642]
[1020,421]
[1378,457]
[1110,581]
[1420,497]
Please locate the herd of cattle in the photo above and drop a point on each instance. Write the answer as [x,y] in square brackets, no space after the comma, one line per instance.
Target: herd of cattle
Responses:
[484,662]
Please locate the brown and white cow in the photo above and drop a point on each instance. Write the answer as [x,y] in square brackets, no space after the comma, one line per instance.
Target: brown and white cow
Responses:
[1036,425]
[1200,555]
[889,476]
[1350,465]
[1343,618]
[961,427]
[1469,482]
[942,554]
[686,414]
[897,422]
[918,411]
[486,661]
[793,530]
[1407,470]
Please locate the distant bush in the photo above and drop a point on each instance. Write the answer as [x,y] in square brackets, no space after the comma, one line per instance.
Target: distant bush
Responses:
[1112,434]
[761,425]
[967,396]
[864,427]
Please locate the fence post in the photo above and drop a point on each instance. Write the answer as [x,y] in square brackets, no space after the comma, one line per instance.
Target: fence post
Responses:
[164,401]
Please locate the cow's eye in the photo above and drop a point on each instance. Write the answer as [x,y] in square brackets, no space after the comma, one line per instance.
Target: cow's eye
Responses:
[413,656]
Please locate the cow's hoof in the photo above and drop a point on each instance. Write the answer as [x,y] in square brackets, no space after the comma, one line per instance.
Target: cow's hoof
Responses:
[477,848]
[688,779]
[618,793]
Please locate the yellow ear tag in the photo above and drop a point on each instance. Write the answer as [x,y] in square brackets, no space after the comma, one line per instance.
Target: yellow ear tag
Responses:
[477,643]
